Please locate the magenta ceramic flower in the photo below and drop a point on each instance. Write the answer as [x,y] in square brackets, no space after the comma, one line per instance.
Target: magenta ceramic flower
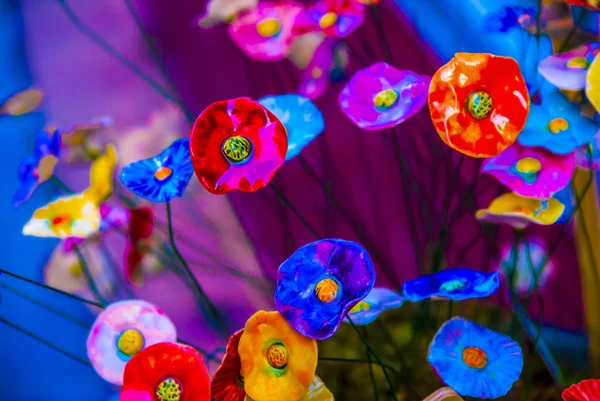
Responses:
[265,33]
[338,18]
[531,172]
[381,96]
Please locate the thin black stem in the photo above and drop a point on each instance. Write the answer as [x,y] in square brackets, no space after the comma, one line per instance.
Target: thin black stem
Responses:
[88,275]
[372,376]
[295,211]
[60,184]
[571,33]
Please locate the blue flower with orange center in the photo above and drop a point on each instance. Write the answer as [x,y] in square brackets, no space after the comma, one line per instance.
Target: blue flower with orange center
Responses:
[163,177]
[475,361]
[378,300]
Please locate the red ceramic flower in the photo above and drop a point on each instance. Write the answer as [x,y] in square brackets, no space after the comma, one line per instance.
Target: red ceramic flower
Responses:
[227,383]
[479,103]
[593,5]
[140,228]
[166,372]
[237,144]
[587,390]
[141,223]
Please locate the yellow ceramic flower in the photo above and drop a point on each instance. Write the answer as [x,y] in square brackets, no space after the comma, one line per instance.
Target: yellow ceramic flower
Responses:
[22,102]
[592,86]
[69,216]
[319,392]
[101,176]
[518,211]
[278,363]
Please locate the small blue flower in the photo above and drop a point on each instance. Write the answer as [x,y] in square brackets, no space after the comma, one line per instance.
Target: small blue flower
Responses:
[557,125]
[319,284]
[475,361]
[456,284]
[302,119]
[378,300]
[510,17]
[163,177]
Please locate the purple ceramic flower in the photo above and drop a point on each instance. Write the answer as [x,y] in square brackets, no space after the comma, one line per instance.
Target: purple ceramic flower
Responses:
[320,283]
[381,96]
[265,32]
[531,172]
[328,63]
[337,18]
[589,155]
[569,70]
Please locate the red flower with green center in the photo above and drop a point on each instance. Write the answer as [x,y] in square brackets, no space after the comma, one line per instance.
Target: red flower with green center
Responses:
[237,144]
[166,372]
[227,383]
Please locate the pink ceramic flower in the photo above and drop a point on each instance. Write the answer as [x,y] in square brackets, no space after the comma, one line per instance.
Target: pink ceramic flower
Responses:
[381,96]
[569,70]
[265,33]
[531,172]
[328,63]
[338,18]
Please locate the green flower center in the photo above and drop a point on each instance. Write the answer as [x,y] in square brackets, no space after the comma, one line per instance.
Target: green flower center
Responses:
[479,104]
[361,306]
[453,285]
[237,149]
[385,99]
[169,390]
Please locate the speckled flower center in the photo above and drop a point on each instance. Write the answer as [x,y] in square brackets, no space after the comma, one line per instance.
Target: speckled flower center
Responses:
[578,63]
[130,342]
[361,306]
[268,27]
[453,285]
[168,390]
[237,149]
[328,20]
[385,99]
[557,125]
[326,290]
[474,357]
[528,165]
[479,104]
[277,356]
[163,173]
[62,220]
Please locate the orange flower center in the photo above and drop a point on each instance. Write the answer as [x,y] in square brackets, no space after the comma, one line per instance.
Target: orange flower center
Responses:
[328,20]
[326,290]
[385,99]
[578,63]
[268,27]
[316,73]
[479,104]
[277,356]
[237,148]
[163,173]
[169,390]
[528,165]
[362,305]
[130,342]
[474,357]
[61,220]
[557,125]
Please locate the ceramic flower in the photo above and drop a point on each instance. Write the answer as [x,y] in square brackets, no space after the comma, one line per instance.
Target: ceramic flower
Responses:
[121,331]
[380,96]
[523,279]
[81,143]
[588,155]
[237,144]
[110,217]
[163,177]
[22,103]
[320,283]
[532,172]
[592,83]
[475,361]
[304,47]
[586,390]
[510,17]
[479,103]
[592,5]
[166,372]
[68,216]
[101,176]
[328,64]
[378,300]
[457,284]
[302,119]
[141,238]
[519,211]
[219,11]
[278,363]
[444,394]
[557,125]
[227,384]
[569,70]
[265,33]
[337,18]
[38,166]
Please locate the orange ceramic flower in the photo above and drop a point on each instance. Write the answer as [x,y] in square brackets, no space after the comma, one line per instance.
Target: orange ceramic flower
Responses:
[479,103]
[278,363]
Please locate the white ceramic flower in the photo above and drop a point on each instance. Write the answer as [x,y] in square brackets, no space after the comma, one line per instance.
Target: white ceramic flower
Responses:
[218,11]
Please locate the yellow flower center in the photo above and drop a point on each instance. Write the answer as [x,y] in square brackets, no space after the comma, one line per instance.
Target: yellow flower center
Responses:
[130,342]
[474,357]
[230,18]
[268,27]
[328,20]
[557,125]
[316,73]
[277,356]
[362,305]
[479,104]
[75,269]
[237,149]
[163,173]
[578,63]
[529,165]
[168,390]
[62,220]
[326,290]
[385,99]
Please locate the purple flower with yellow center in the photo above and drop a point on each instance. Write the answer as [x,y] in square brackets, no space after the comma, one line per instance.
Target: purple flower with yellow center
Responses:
[378,300]
[557,125]
[380,96]
[569,70]
[532,172]
[475,361]
[456,284]
[320,283]
[519,211]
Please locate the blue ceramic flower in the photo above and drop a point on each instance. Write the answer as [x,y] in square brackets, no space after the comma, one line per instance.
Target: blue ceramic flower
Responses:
[39,165]
[378,300]
[320,283]
[302,119]
[475,361]
[163,177]
[557,125]
[510,17]
[457,284]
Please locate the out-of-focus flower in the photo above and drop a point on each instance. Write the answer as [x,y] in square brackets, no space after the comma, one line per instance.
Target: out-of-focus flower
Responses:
[337,18]
[137,258]
[592,84]
[81,143]
[304,48]
[110,217]
[101,176]
[328,64]
[317,391]
[219,11]
[379,300]
[457,284]
[444,394]
[569,70]
[586,390]
[22,102]
[592,5]
[588,155]
[519,211]
[521,262]
[509,17]
[227,384]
